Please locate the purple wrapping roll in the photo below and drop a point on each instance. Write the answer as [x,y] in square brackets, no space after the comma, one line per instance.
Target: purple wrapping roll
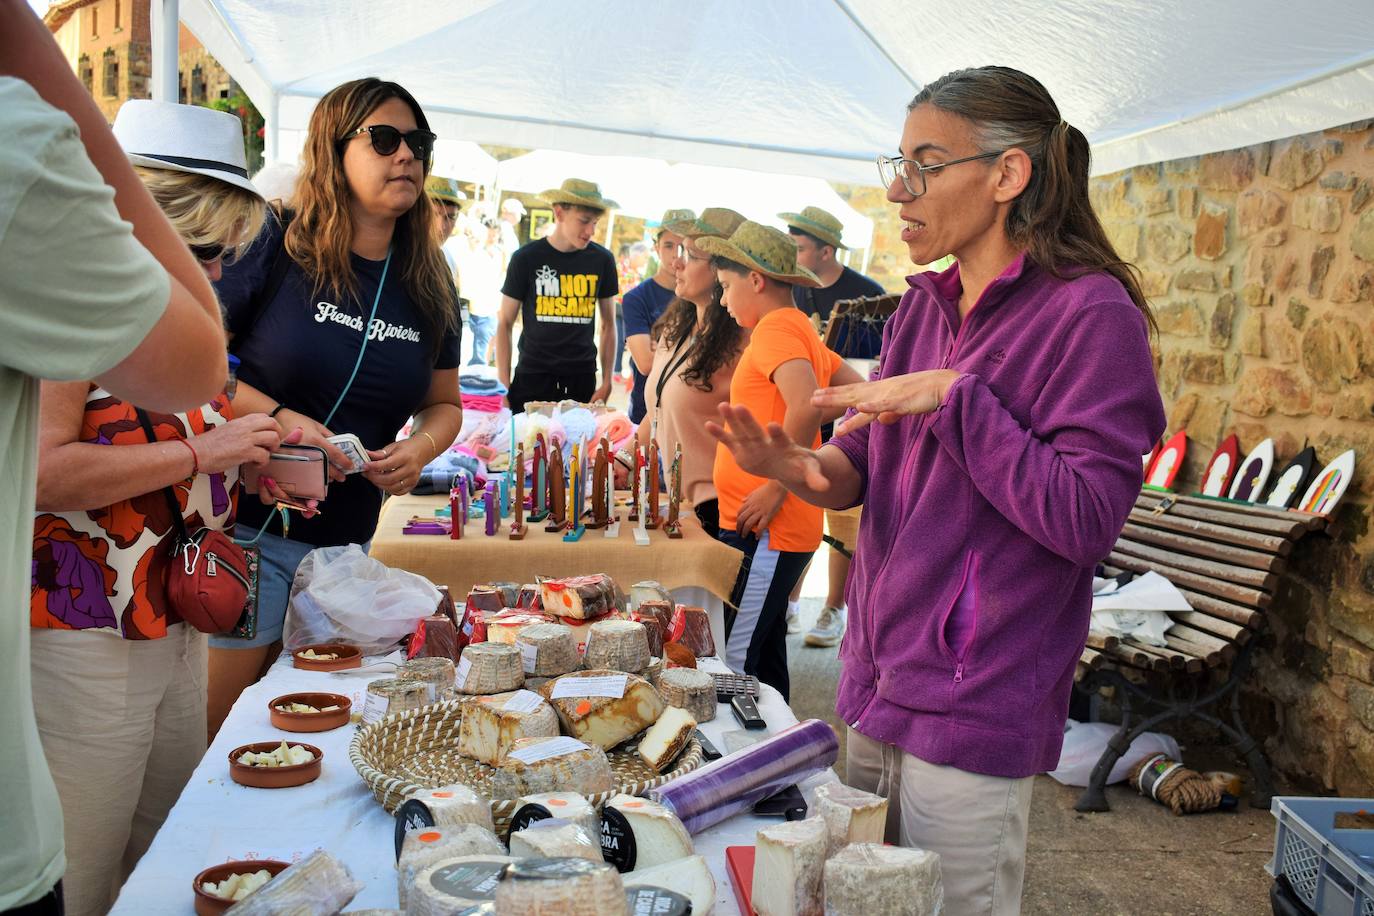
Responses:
[725,787]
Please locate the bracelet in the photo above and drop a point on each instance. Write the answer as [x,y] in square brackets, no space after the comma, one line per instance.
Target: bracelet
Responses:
[195,459]
[432,443]
[276,410]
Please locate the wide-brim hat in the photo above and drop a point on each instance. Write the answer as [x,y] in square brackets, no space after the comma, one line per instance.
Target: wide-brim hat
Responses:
[769,251]
[817,222]
[580,193]
[720,222]
[184,138]
[445,189]
[676,217]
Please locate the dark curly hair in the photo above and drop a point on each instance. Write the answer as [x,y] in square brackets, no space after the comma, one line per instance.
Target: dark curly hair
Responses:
[719,343]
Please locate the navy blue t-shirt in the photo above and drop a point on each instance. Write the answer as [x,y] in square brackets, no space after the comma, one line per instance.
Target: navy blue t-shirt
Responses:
[849,285]
[301,353]
[643,305]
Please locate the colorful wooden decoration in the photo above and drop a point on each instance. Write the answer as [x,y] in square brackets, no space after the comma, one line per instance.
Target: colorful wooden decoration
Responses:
[600,517]
[641,532]
[517,525]
[1293,479]
[1216,480]
[673,526]
[492,508]
[1254,473]
[652,507]
[538,485]
[1167,463]
[634,482]
[558,509]
[612,517]
[573,529]
[1326,491]
[457,506]
[1149,457]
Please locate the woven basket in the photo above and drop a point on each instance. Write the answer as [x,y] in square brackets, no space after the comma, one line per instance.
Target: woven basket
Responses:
[405,752]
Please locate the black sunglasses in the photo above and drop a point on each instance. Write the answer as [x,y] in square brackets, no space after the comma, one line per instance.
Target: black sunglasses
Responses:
[387,139]
[207,254]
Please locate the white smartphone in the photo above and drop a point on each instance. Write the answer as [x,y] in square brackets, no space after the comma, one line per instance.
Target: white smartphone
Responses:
[351,446]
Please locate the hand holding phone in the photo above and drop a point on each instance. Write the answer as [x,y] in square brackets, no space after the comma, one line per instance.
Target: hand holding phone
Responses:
[351,446]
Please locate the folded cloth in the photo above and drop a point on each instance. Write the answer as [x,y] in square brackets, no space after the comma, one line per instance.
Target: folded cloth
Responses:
[484,403]
[616,427]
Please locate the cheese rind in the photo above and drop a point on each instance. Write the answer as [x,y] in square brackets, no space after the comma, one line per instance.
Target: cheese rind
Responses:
[693,690]
[452,805]
[789,867]
[585,771]
[617,645]
[851,815]
[452,884]
[423,847]
[566,805]
[605,721]
[869,879]
[665,739]
[566,887]
[491,668]
[555,838]
[659,837]
[490,727]
[549,649]
[691,877]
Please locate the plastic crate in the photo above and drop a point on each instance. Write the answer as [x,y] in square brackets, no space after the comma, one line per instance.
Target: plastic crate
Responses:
[1330,870]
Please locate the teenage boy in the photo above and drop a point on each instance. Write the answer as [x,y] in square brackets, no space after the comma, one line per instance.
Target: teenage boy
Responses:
[818,236]
[558,285]
[643,305]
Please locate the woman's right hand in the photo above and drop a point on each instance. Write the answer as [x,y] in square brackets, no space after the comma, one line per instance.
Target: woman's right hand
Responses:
[767,452]
[246,440]
[316,434]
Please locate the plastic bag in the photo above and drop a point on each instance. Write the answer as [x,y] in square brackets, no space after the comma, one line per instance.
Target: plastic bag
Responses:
[340,594]
[1084,743]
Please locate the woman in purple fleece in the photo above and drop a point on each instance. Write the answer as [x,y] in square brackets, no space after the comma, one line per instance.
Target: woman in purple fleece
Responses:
[1016,397]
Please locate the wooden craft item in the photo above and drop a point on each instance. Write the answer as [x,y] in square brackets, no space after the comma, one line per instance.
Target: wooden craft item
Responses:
[456,499]
[1326,491]
[1149,458]
[538,484]
[1167,463]
[612,517]
[1293,479]
[557,508]
[634,482]
[1254,473]
[493,511]
[504,493]
[641,532]
[574,530]
[517,525]
[673,526]
[599,517]
[652,508]
[1217,478]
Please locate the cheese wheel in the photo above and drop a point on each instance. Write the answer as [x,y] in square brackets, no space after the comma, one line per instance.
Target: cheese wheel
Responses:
[437,672]
[535,765]
[489,667]
[617,645]
[652,671]
[555,838]
[691,689]
[639,833]
[566,805]
[548,650]
[568,887]
[580,596]
[691,877]
[789,866]
[665,739]
[452,884]
[423,847]
[388,695]
[869,879]
[452,805]
[851,815]
[603,707]
[492,724]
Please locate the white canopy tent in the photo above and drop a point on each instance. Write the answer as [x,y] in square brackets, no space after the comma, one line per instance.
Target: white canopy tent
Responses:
[805,87]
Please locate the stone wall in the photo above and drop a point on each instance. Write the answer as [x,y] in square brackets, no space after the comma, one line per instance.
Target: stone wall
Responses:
[1260,265]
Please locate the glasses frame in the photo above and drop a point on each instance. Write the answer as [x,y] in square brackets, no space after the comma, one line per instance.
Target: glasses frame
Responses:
[418,133]
[686,255]
[208,254]
[898,163]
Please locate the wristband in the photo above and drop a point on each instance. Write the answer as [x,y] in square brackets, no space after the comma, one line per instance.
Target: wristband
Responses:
[276,410]
[195,459]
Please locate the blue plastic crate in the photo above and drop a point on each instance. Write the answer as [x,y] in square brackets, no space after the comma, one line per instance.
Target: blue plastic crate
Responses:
[1330,870]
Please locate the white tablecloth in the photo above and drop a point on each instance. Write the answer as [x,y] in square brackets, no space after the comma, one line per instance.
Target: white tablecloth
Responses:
[216,819]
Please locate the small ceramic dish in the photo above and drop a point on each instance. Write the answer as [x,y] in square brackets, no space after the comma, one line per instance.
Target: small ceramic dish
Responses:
[273,777]
[209,904]
[349,657]
[310,721]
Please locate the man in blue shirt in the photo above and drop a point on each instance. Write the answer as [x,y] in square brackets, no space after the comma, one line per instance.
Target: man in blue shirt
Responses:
[643,305]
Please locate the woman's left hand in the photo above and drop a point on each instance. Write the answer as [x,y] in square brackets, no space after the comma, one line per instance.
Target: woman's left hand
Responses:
[396,468]
[888,400]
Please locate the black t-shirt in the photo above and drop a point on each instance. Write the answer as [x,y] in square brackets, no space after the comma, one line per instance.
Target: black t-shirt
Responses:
[302,351]
[558,293]
[850,285]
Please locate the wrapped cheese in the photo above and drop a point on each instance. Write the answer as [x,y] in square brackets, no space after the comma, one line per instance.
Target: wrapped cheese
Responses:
[435,637]
[638,833]
[537,765]
[695,630]
[453,805]
[568,806]
[869,879]
[657,617]
[694,691]
[568,887]
[488,667]
[486,598]
[492,724]
[529,599]
[554,838]
[452,885]
[581,597]
[426,846]
[319,882]
[603,707]
[617,645]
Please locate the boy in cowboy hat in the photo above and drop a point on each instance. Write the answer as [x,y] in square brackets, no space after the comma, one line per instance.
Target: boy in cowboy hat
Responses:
[818,236]
[558,285]
[647,302]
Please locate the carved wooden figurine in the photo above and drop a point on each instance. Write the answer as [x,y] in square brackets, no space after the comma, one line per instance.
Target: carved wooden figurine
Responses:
[538,481]
[653,486]
[635,465]
[599,517]
[673,526]
[557,507]
[517,525]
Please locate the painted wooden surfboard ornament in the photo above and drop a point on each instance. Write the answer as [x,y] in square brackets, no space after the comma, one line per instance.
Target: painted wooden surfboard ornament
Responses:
[1293,479]
[1326,491]
[1149,457]
[1168,462]
[1222,467]
[1254,473]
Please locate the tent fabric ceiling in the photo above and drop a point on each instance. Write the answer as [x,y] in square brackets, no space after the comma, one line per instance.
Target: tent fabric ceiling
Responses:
[806,87]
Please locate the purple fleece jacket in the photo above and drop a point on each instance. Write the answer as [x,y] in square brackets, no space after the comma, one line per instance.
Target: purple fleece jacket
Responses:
[970,594]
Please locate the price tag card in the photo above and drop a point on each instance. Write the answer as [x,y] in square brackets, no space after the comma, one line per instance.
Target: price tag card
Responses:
[529,653]
[461,672]
[554,747]
[608,685]
[524,701]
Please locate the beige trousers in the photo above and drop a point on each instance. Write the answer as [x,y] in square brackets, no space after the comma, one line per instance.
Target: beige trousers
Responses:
[976,823]
[123,725]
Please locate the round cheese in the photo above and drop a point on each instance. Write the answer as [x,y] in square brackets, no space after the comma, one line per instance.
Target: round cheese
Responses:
[388,695]
[424,847]
[437,672]
[693,690]
[617,645]
[548,650]
[639,833]
[450,885]
[566,805]
[492,724]
[555,838]
[489,667]
[569,887]
[603,707]
[453,805]
[535,765]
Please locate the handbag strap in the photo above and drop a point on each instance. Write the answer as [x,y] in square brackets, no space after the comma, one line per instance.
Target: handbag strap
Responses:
[280,264]
[172,502]
[367,334]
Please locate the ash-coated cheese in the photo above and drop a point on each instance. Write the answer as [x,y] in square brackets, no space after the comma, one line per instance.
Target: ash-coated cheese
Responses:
[851,815]
[535,765]
[490,667]
[789,868]
[555,838]
[565,887]
[693,690]
[638,833]
[427,845]
[548,650]
[450,885]
[456,804]
[617,645]
[492,724]
[691,877]
[665,739]
[603,707]
[869,879]
[568,806]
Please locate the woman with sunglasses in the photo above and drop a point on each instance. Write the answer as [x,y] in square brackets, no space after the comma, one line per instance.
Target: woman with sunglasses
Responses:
[346,321]
[1016,396]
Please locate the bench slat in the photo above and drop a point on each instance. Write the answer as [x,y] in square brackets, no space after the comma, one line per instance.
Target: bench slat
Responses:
[1213,513]
[1238,556]
[1101,641]
[1223,609]
[1172,521]
[1181,578]
[1206,640]
[1308,520]
[1222,629]
[1170,659]
[1200,654]
[1254,578]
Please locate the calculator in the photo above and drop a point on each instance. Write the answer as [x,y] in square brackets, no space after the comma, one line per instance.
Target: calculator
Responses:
[734,685]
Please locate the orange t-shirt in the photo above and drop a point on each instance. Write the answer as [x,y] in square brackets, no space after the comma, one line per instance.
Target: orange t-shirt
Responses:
[781,336]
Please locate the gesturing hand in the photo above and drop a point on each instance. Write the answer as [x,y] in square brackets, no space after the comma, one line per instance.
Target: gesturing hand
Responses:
[396,468]
[767,452]
[887,400]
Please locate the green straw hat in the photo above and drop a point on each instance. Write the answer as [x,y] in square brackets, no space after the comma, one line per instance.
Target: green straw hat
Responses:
[815,221]
[676,217]
[445,189]
[578,192]
[769,251]
[720,222]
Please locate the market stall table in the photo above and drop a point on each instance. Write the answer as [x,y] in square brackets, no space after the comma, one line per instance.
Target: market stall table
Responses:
[216,819]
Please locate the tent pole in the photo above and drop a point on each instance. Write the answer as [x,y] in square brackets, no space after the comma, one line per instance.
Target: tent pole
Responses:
[165,16]
[867,252]
[270,135]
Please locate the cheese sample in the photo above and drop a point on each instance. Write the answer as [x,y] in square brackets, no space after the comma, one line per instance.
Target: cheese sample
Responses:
[560,887]
[283,755]
[690,877]
[548,650]
[450,806]
[693,690]
[555,838]
[581,597]
[666,738]
[869,879]
[609,718]
[423,847]
[451,885]
[639,833]
[491,725]
[319,878]
[851,815]
[617,645]
[387,695]
[489,667]
[237,886]
[568,806]
[535,765]
[789,866]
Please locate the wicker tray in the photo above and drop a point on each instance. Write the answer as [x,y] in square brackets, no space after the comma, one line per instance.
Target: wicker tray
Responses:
[418,749]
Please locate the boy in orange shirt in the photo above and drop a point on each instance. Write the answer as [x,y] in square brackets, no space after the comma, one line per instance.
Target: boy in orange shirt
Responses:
[783,364]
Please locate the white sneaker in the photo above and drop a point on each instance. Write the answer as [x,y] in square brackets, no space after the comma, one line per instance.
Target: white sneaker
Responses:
[829,629]
[793,620]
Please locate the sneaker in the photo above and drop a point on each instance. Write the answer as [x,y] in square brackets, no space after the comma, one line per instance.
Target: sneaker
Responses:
[829,629]
[793,620]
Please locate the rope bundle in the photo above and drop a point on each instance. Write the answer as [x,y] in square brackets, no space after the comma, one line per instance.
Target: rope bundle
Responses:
[1173,785]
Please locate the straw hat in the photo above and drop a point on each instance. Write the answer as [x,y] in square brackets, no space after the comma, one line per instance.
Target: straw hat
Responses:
[580,193]
[673,217]
[184,138]
[445,189]
[815,221]
[720,222]
[769,251]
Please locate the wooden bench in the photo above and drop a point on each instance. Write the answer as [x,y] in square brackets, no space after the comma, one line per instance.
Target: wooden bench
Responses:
[1227,558]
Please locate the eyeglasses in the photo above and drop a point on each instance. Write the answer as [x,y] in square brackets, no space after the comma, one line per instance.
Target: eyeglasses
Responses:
[682,252]
[387,139]
[207,254]
[912,173]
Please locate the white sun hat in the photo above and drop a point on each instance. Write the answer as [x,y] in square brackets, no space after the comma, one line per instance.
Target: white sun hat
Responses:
[184,138]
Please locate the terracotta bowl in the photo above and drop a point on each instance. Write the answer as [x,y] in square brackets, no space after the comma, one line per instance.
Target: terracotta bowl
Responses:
[310,721]
[273,777]
[209,905]
[349,657]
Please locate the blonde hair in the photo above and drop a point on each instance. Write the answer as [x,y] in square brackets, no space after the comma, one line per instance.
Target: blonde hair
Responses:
[204,210]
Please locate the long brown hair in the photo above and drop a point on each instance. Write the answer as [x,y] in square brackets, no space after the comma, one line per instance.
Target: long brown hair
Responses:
[1053,218]
[320,236]
[718,344]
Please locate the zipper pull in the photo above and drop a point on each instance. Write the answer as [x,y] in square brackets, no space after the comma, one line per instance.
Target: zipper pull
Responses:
[959,673]
[210,564]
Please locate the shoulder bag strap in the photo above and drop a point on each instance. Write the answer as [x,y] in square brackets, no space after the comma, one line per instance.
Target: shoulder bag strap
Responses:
[280,264]
[172,503]
[674,363]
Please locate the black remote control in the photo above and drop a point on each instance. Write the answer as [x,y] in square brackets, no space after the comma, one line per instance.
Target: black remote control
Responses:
[747,712]
[708,750]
